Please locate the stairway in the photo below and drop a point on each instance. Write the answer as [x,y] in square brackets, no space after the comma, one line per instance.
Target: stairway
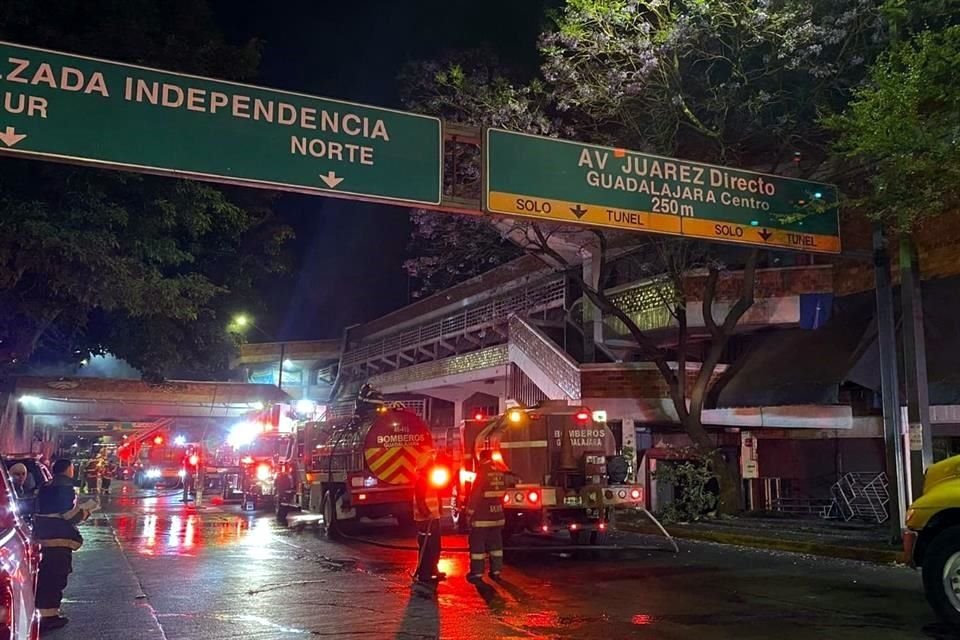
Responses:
[546,364]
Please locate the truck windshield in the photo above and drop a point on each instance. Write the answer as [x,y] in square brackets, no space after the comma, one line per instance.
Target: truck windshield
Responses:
[266,447]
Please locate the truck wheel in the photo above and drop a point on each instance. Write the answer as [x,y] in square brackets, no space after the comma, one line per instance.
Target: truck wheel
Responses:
[330,517]
[941,575]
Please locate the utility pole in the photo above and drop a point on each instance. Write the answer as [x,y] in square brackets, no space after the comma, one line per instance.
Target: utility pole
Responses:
[283,354]
[890,385]
[915,364]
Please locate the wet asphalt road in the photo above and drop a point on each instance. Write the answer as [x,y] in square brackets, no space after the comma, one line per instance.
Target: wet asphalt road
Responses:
[151,569]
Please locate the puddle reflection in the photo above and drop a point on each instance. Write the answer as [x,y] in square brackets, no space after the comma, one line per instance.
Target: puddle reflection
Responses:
[187,534]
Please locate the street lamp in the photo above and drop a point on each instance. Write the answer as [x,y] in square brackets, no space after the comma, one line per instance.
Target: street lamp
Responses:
[241,322]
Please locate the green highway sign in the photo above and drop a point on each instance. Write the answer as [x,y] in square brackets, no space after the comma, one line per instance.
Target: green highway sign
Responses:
[69,108]
[562,181]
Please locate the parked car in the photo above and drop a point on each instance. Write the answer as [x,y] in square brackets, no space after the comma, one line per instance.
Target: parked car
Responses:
[932,539]
[19,564]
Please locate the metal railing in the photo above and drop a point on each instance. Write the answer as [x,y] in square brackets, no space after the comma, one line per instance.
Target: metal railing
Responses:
[552,362]
[525,300]
[861,495]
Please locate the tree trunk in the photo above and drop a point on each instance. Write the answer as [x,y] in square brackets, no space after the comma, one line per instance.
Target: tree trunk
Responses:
[727,472]
[728,475]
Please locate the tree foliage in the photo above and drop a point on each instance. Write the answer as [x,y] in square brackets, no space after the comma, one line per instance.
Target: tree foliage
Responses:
[142,267]
[903,128]
[727,80]
[691,481]
[734,81]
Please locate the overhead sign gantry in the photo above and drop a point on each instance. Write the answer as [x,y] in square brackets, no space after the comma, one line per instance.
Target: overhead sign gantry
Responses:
[70,108]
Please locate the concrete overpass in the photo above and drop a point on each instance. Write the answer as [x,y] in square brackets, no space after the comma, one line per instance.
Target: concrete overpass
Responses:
[36,410]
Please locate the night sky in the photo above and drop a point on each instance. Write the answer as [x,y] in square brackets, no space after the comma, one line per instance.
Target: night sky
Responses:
[350,254]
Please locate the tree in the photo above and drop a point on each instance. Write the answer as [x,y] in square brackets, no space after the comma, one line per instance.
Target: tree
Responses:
[716,80]
[143,267]
[903,129]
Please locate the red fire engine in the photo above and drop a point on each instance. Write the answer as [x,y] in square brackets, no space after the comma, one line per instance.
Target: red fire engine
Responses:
[564,474]
[262,441]
[362,466]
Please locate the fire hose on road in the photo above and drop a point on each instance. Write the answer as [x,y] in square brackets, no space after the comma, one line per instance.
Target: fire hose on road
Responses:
[546,548]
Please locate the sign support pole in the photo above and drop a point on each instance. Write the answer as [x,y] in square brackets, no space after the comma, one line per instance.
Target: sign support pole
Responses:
[887,342]
[915,364]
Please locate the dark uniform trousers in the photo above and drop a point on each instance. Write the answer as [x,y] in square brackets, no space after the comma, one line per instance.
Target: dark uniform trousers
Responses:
[55,568]
[486,541]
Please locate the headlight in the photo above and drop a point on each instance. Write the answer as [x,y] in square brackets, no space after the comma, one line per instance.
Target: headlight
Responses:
[153,473]
[263,472]
[182,473]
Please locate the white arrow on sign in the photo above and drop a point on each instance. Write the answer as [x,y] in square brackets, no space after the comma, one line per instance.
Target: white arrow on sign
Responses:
[331,179]
[10,137]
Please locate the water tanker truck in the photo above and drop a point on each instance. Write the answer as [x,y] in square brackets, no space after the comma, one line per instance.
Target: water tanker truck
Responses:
[564,471]
[360,467]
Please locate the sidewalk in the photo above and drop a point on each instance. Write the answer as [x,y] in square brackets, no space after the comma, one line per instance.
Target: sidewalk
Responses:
[104,598]
[853,541]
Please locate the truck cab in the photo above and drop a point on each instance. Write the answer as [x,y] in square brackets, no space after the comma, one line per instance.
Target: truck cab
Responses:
[932,538]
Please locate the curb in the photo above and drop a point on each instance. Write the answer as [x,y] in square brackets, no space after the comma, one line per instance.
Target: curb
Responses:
[863,554]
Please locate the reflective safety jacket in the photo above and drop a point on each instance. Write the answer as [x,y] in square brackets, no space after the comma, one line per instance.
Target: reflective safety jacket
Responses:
[486,498]
[426,498]
[57,517]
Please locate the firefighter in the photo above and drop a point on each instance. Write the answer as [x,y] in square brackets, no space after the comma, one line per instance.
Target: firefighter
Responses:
[91,474]
[55,527]
[368,401]
[109,470]
[433,476]
[485,508]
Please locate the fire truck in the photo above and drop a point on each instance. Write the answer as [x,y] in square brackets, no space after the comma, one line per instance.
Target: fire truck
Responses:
[157,461]
[259,442]
[563,471]
[359,467]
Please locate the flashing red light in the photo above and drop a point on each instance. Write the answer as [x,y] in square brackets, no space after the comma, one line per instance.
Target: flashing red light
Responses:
[478,416]
[158,440]
[194,460]
[506,497]
[582,416]
[440,477]
[361,497]
[545,529]
[603,526]
[533,496]
[635,494]
[496,456]
[573,527]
